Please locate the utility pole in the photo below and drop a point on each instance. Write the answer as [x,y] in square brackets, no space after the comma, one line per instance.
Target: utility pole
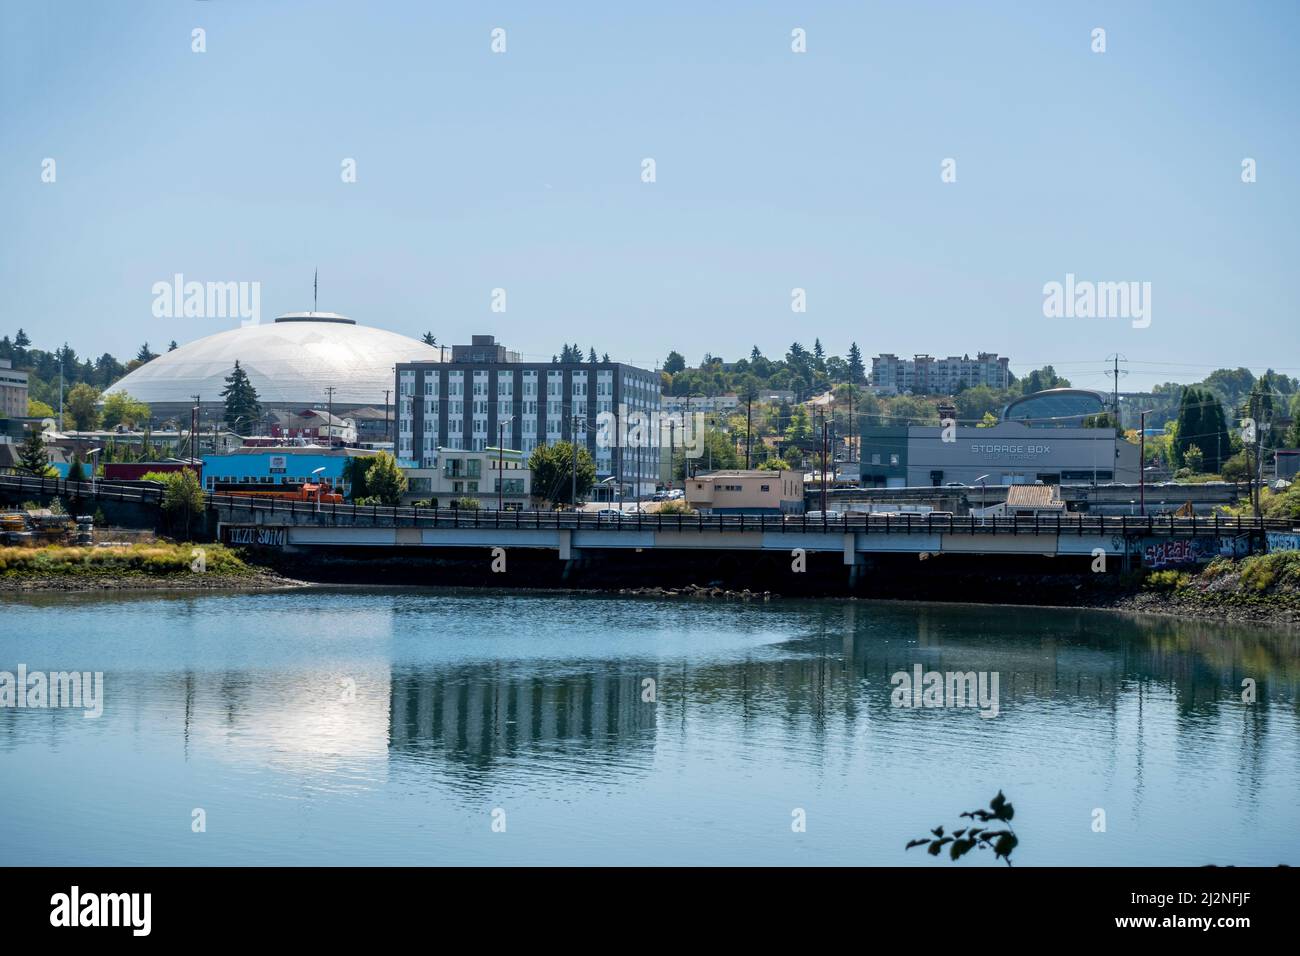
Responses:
[1116,359]
[686,468]
[823,463]
[62,352]
[849,441]
[1115,392]
[618,463]
[672,428]
[329,423]
[749,419]
[1142,461]
[501,463]
[1259,462]
[194,424]
[574,476]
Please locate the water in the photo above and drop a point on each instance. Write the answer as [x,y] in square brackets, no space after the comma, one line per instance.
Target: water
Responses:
[384,726]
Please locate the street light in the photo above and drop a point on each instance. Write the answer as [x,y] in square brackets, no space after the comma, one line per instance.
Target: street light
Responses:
[610,482]
[91,454]
[501,459]
[315,472]
[983,502]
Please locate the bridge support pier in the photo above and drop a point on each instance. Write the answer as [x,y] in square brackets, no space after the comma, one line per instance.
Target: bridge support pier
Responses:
[857,570]
[573,565]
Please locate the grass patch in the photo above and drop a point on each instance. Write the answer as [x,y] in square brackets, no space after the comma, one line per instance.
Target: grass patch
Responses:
[152,560]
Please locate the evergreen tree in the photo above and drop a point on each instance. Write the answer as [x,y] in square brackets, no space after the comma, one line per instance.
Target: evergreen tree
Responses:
[591,356]
[76,471]
[144,355]
[605,358]
[428,338]
[1190,427]
[674,363]
[1215,442]
[33,457]
[242,406]
[857,371]
[171,346]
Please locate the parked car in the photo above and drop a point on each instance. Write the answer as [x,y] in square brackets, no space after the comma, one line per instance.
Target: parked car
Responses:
[824,515]
[659,496]
[608,514]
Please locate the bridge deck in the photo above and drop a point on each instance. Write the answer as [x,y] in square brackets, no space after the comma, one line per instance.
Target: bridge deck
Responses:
[309,524]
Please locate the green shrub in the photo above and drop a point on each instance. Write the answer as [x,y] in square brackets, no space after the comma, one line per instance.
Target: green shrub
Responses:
[1168,580]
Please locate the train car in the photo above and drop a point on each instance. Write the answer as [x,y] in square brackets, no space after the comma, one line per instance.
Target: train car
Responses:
[306,491]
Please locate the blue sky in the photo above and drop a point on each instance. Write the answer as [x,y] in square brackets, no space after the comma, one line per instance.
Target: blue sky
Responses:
[775,170]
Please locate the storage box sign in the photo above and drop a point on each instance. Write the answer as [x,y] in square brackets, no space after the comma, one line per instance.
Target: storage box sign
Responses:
[278,464]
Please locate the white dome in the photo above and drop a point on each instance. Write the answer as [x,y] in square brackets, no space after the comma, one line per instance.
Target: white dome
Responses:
[290,362]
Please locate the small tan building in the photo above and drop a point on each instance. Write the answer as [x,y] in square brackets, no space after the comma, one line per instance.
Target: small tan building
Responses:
[746,492]
[1025,501]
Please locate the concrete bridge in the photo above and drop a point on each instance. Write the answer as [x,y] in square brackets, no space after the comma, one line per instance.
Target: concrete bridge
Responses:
[305,526]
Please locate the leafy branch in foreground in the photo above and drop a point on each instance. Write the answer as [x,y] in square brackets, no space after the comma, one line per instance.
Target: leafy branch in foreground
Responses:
[962,841]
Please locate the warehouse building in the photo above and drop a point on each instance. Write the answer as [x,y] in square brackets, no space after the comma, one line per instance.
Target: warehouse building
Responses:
[1040,439]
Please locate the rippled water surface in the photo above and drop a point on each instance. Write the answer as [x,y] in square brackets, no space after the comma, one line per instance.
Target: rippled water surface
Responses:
[387,726]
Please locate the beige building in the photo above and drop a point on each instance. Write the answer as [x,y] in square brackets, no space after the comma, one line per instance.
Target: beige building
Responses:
[746,492]
[1025,501]
[483,475]
[13,391]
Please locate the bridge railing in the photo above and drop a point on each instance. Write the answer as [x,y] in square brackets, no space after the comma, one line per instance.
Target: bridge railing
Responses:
[333,513]
[1041,524]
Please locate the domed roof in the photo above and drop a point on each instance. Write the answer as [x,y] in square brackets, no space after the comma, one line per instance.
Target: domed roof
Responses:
[1055,407]
[290,361]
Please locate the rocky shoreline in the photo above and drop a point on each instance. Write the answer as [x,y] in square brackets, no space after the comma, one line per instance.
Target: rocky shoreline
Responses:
[257,579]
[696,591]
[1223,606]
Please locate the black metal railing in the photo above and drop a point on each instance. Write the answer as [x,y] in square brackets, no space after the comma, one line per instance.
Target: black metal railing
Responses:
[230,507]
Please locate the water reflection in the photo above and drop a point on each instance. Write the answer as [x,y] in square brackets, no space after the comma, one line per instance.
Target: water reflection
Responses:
[666,705]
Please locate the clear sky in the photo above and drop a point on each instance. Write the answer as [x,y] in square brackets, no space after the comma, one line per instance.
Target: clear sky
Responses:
[774,170]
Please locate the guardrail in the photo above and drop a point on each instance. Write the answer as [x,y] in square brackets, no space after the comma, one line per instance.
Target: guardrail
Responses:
[333,513]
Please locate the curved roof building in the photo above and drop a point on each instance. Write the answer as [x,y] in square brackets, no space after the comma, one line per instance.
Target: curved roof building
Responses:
[1055,408]
[290,362]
